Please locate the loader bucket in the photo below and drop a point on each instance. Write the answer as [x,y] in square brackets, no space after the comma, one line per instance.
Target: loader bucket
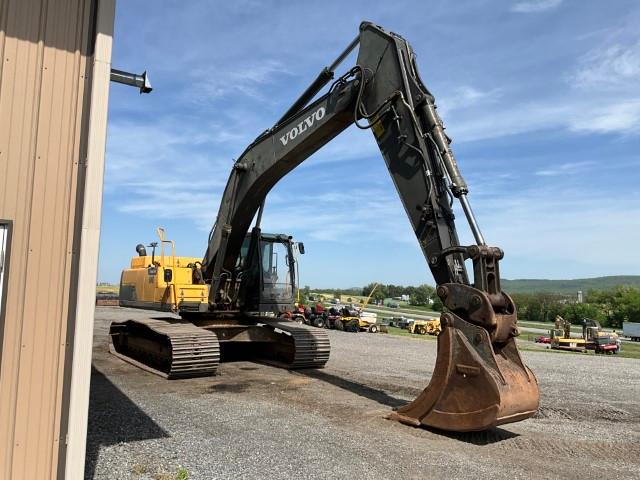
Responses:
[475,385]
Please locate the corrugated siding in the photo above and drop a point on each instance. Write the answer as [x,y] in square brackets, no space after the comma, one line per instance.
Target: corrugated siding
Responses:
[43,107]
[90,238]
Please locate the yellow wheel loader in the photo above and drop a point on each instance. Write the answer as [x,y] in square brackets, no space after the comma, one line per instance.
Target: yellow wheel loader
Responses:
[423,327]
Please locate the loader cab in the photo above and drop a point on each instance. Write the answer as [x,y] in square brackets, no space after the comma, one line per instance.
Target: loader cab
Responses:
[271,283]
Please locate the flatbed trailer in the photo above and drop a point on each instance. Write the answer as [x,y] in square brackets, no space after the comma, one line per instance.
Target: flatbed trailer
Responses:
[570,344]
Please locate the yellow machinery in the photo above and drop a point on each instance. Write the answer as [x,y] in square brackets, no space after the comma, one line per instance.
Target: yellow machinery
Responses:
[353,322]
[161,282]
[360,323]
[356,320]
[561,338]
[422,327]
[593,337]
[598,340]
[367,320]
[192,345]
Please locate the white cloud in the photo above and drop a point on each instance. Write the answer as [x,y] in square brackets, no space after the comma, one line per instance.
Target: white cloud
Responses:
[599,93]
[352,144]
[572,110]
[466,96]
[246,79]
[613,67]
[534,6]
[565,169]
[141,149]
[618,117]
[158,170]
[500,120]
[558,233]
[162,203]
[606,80]
[344,216]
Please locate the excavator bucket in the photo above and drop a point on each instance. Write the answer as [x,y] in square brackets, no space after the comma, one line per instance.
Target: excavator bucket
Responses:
[476,385]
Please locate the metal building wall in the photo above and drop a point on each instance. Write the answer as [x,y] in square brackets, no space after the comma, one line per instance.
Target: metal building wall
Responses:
[89,241]
[46,49]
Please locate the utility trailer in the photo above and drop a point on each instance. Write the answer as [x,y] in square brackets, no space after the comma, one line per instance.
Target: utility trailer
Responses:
[631,330]
[569,343]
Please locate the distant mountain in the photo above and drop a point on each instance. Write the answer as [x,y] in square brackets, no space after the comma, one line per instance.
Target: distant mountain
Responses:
[569,287]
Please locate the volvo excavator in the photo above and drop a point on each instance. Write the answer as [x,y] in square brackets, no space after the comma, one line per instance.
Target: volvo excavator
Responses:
[479,380]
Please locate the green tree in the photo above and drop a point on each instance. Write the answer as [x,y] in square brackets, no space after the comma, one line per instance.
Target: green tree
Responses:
[617,306]
[366,290]
[379,294]
[576,312]
[422,295]
[535,311]
[394,290]
[538,307]
[522,301]
[437,305]
[626,306]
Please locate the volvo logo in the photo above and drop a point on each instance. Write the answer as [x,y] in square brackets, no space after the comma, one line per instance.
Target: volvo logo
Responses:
[303,126]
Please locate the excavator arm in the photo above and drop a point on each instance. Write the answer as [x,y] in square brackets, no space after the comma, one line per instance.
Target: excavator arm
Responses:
[479,380]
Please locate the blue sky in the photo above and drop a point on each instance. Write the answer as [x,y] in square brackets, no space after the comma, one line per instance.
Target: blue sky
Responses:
[541,98]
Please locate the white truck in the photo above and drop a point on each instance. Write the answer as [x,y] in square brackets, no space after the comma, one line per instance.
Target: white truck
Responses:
[631,330]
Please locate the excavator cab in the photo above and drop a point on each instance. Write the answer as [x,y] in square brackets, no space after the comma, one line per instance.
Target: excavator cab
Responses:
[268,267]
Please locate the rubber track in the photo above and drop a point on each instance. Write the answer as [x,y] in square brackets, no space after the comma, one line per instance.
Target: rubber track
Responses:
[195,351]
[311,344]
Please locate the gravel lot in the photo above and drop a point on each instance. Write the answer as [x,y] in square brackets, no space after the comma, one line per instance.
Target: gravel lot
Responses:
[256,421]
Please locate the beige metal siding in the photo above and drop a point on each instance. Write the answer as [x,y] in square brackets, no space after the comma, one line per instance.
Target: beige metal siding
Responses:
[44,109]
[90,237]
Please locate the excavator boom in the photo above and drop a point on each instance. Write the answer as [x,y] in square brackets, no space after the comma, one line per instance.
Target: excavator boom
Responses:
[383,92]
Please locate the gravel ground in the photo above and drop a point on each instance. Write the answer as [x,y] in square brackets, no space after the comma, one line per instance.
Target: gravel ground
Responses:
[256,421]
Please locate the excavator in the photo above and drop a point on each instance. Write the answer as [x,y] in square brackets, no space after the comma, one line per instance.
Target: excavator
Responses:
[479,380]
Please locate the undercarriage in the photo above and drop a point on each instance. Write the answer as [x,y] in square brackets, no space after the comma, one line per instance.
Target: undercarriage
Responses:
[181,348]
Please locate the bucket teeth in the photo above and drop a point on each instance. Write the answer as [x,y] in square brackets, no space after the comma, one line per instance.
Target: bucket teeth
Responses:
[476,385]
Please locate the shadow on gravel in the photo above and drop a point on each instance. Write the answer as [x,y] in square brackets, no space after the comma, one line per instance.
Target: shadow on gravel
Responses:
[354,387]
[113,419]
[487,437]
